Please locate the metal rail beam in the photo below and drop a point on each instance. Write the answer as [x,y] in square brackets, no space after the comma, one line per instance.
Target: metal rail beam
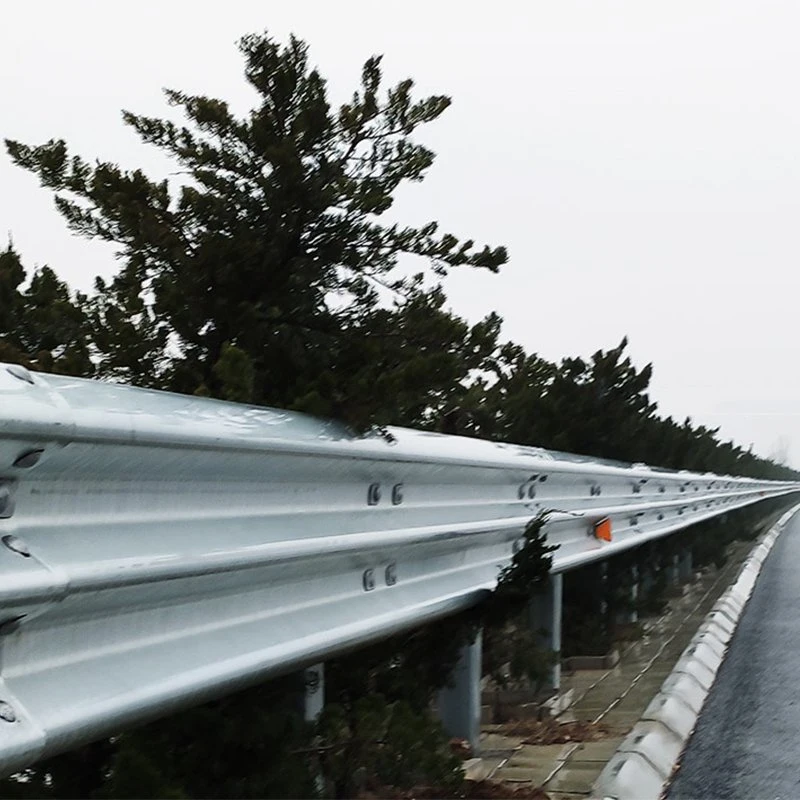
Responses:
[160,550]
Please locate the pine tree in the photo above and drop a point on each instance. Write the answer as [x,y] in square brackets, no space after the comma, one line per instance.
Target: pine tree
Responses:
[274,243]
[43,325]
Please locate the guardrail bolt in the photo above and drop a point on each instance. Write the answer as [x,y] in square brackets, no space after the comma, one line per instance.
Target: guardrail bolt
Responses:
[16,544]
[20,373]
[11,625]
[312,680]
[374,494]
[7,713]
[391,575]
[531,491]
[28,459]
[595,490]
[5,500]
[369,580]
[397,494]
[521,492]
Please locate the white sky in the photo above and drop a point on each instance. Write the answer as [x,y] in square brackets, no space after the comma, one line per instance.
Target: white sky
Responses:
[640,160]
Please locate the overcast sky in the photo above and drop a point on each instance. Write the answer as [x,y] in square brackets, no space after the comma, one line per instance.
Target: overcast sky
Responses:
[640,160]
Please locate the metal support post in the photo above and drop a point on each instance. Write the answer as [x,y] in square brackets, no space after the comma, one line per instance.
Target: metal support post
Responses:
[673,571]
[545,620]
[646,582]
[314,691]
[685,565]
[603,567]
[460,704]
[633,614]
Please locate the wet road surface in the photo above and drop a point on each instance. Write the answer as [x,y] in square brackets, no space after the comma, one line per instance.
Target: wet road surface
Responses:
[747,740]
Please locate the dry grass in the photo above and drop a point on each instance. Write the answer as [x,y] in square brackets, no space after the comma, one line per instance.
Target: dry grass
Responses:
[551,731]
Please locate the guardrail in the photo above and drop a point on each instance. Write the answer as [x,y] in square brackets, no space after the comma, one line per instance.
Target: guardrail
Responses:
[160,550]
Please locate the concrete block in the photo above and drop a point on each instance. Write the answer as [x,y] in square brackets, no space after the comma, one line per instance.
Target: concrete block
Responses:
[629,776]
[659,745]
[673,713]
[687,688]
[727,608]
[711,637]
[705,655]
[699,671]
[721,621]
[743,588]
[735,600]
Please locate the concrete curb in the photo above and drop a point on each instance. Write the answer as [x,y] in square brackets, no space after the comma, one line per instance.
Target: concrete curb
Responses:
[643,764]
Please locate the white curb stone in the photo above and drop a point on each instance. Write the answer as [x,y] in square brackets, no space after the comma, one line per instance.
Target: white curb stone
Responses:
[630,775]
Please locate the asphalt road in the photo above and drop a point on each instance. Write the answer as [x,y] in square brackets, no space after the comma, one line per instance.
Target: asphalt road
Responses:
[747,740]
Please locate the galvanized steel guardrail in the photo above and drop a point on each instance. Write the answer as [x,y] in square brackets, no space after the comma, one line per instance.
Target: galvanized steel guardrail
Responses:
[160,550]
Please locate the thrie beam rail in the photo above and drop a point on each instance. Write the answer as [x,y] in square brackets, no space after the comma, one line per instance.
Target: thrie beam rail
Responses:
[161,550]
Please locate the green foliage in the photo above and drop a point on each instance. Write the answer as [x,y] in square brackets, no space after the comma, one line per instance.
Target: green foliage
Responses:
[43,325]
[375,743]
[524,576]
[249,745]
[273,244]
[234,375]
[513,654]
[599,408]
[512,651]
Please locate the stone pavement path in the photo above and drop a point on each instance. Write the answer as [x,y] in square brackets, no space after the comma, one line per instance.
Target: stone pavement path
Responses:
[614,699]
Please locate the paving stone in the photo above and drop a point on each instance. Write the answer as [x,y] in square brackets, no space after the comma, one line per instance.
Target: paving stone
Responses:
[597,751]
[535,776]
[575,777]
[496,741]
[532,755]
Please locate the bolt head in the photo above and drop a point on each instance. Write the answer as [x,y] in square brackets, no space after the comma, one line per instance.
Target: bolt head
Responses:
[28,459]
[20,373]
[368,580]
[7,713]
[16,545]
[313,680]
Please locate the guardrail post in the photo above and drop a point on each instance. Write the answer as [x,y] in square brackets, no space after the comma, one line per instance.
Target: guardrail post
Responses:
[314,691]
[645,581]
[603,567]
[460,704]
[685,565]
[545,620]
[632,614]
[673,569]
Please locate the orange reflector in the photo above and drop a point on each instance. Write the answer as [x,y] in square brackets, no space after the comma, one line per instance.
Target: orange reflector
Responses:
[602,529]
